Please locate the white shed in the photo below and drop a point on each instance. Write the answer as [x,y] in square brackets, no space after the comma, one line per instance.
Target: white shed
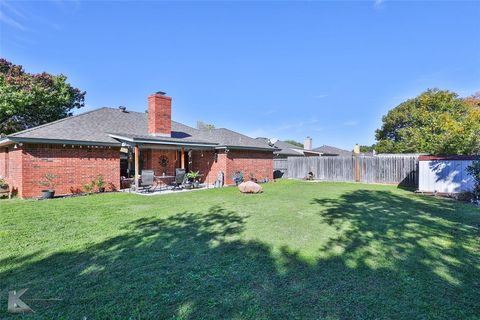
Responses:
[445,174]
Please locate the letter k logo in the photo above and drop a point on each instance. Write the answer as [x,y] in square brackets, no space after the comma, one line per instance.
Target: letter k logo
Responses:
[15,305]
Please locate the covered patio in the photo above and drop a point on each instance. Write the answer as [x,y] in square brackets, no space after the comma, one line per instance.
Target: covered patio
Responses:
[163,155]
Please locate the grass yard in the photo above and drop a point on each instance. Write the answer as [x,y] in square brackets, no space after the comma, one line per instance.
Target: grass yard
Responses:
[297,251]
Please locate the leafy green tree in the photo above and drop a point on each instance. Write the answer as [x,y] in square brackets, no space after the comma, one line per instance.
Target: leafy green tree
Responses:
[364,148]
[295,143]
[28,100]
[435,122]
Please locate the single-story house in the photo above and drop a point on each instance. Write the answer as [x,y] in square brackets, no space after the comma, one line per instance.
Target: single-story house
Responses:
[285,150]
[113,142]
[329,151]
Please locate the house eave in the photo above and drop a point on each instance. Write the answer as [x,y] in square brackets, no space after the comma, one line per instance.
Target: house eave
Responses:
[246,148]
[163,142]
[5,142]
[62,141]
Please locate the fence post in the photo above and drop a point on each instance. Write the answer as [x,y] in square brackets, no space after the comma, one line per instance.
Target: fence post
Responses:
[356,152]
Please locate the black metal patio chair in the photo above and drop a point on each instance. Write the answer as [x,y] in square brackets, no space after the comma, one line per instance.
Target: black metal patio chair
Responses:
[180,176]
[147,181]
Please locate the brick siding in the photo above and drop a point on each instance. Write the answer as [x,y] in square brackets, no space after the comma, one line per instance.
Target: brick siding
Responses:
[11,168]
[258,163]
[159,114]
[209,164]
[76,166]
[72,166]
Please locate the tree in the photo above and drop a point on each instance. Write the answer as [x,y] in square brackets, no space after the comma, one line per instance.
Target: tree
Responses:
[28,100]
[204,126]
[364,148]
[295,143]
[435,122]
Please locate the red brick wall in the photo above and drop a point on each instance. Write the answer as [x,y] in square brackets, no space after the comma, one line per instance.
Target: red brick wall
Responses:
[3,154]
[259,163]
[151,158]
[209,164]
[159,114]
[11,167]
[73,167]
[151,161]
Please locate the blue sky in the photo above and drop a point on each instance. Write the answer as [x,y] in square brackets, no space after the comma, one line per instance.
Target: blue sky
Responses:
[329,70]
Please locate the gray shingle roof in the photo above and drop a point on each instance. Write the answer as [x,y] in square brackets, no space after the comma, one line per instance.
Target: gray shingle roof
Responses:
[96,126]
[288,149]
[329,150]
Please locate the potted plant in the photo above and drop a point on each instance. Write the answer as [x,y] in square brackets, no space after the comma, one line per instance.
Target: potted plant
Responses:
[193,177]
[3,185]
[49,183]
[100,183]
[237,177]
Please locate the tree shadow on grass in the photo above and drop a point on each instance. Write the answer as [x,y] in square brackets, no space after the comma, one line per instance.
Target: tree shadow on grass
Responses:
[427,247]
[194,266]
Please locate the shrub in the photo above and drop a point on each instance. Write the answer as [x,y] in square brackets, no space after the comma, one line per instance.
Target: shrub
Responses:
[75,190]
[49,181]
[88,188]
[112,187]
[99,182]
[193,175]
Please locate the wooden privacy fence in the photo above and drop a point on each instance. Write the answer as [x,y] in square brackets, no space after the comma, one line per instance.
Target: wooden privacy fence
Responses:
[391,169]
[280,168]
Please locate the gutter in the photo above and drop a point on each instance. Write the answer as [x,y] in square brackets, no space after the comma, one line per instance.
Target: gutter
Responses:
[247,148]
[61,141]
[158,141]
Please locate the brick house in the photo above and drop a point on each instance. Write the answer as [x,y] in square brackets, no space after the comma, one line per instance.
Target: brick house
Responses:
[114,142]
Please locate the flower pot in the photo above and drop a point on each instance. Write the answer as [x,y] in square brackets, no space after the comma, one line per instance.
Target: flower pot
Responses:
[196,184]
[102,189]
[48,194]
[188,185]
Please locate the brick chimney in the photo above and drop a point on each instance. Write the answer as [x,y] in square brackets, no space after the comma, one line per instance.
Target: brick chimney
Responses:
[160,114]
[307,144]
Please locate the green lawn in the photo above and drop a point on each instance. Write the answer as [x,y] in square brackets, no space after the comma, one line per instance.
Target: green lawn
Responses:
[297,251]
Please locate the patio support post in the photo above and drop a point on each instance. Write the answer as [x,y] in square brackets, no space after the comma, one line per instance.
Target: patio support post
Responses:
[183,158]
[137,151]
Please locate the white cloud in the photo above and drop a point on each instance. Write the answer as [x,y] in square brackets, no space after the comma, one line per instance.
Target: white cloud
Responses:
[269,112]
[320,96]
[351,123]
[11,21]
[378,3]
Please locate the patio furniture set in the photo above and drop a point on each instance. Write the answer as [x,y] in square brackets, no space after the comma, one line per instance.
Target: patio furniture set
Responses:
[149,182]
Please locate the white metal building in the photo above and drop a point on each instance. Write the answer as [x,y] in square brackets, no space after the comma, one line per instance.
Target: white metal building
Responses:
[445,174]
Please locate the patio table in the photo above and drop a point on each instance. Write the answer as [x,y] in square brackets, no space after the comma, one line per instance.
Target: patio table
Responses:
[159,179]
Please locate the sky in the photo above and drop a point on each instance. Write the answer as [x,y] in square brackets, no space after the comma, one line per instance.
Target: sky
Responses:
[285,70]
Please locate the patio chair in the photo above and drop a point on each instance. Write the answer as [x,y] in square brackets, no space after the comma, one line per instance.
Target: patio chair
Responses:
[147,180]
[179,178]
